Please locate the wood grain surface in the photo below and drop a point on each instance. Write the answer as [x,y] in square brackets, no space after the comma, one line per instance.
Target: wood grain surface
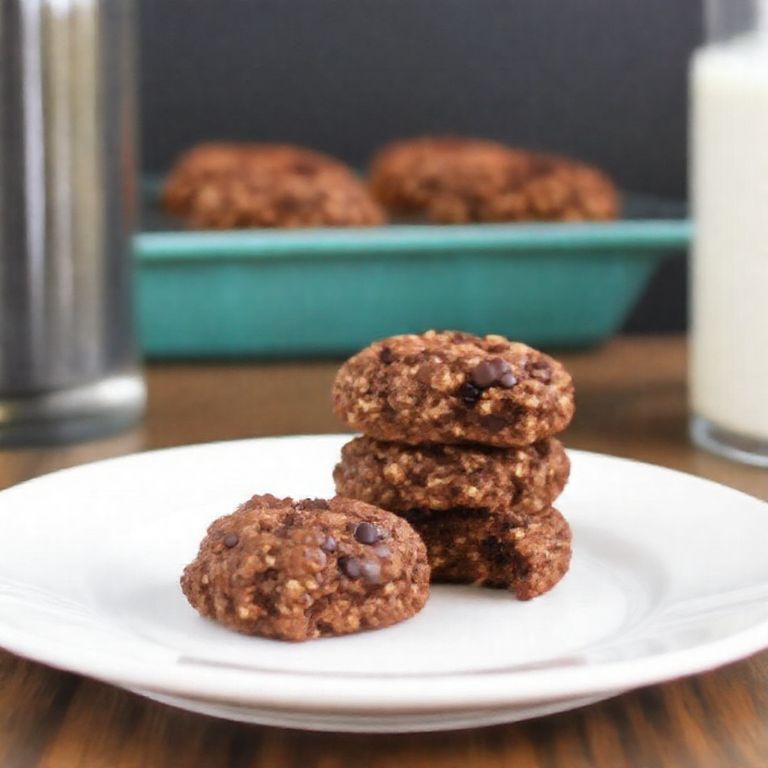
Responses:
[631,402]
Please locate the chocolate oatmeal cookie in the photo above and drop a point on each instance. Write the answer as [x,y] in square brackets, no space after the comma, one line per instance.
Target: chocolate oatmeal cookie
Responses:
[526,554]
[222,186]
[451,387]
[400,477]
[209,162]
[453,180]
[296,570]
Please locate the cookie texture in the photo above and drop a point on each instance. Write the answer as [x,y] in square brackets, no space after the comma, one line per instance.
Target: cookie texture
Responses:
[455,180]
[400,477]
[525,554]
[451,387]
[296,570]
[230,185]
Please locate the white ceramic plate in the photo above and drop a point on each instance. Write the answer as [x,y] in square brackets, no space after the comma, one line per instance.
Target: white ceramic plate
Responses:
[669,577]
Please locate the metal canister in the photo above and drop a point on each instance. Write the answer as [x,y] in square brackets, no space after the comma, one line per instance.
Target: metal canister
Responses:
[68,356]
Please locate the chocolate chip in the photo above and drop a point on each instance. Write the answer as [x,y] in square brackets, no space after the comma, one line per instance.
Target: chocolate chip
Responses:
[489,372]
[386,355]
[508,380]
[483,375]
[350,567]
[540,371]
[469,393]
[329,545]
[366,533]
[500,367]
[231,540]
[371,571]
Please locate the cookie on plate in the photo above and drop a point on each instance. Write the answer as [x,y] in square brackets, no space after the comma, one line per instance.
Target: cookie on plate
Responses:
[400,477]
[525,554]
[452,387]
[230,185]
[296,570]
[454,180]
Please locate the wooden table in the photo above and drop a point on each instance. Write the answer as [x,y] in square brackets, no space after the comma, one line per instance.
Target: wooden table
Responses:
[631,402]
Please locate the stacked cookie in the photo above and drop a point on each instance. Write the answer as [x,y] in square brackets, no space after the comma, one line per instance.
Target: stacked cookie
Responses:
[459,440]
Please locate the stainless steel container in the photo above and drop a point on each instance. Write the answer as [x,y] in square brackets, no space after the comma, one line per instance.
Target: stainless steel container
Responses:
[68,357]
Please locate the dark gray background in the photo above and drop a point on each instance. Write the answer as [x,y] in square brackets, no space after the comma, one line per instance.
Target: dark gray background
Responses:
[604,80]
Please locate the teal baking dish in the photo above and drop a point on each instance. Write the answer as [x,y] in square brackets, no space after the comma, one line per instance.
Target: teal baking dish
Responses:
[328,292]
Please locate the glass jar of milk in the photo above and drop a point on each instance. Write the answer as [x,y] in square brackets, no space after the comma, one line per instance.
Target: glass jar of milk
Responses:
[729,193]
